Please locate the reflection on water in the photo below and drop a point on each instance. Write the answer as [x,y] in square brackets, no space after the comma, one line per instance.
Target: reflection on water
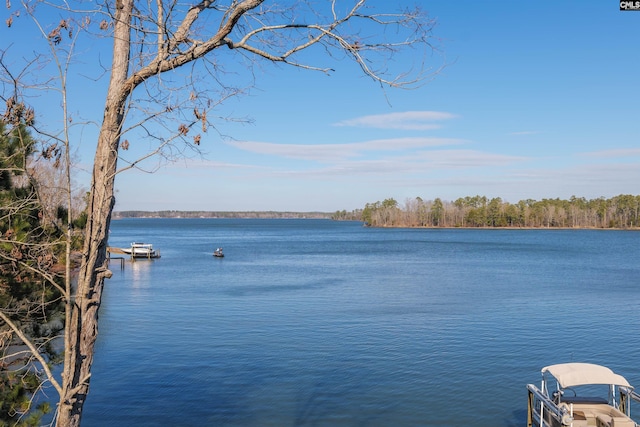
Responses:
[140,273]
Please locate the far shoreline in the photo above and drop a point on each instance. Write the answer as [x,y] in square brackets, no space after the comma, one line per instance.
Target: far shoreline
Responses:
[118,215]
[223,214]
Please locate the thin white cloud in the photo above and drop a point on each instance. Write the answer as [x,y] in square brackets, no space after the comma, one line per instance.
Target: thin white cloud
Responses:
[424,162]
[408,120]
[337,152]
[466,159]
[614,153]
[207,164]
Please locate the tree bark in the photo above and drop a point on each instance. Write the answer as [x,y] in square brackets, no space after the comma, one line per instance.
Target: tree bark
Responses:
[83,331]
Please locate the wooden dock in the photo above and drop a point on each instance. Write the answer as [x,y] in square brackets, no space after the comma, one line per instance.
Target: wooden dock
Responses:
[117,251]
[112,250]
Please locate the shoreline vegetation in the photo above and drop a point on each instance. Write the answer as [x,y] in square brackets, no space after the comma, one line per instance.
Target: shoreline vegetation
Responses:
[619,212]
[225,214]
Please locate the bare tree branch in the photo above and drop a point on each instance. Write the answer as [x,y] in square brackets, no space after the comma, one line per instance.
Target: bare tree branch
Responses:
[32,348]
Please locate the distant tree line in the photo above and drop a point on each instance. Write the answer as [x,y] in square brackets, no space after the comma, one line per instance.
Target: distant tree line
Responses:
[343,215]
[621,211]
[214,214]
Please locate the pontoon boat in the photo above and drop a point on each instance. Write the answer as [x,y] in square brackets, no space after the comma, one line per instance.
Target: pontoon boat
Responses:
[585,395]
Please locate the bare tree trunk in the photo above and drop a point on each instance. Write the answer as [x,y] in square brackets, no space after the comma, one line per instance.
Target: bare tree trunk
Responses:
[83,330]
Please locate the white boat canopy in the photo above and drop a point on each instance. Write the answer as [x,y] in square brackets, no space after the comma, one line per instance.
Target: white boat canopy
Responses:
[575,374]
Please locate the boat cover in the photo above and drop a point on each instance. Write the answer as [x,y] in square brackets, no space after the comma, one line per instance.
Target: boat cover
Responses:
[575,374]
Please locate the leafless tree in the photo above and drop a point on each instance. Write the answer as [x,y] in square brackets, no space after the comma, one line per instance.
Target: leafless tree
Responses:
[156,47]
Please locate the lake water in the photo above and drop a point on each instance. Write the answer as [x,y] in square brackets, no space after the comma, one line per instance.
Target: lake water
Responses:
[323,323]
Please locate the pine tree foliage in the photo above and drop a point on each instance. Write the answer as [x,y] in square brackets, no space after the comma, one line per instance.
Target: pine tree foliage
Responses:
[29,297]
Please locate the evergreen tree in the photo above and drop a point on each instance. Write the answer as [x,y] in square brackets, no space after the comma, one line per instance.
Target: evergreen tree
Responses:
[29,297]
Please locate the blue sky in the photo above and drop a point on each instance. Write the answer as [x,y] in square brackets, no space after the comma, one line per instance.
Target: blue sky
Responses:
[537,100]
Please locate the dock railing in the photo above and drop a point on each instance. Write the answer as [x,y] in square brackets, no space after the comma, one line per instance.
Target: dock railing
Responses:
[111,250]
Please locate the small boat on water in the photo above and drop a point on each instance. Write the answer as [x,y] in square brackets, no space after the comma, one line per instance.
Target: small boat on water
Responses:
[218,253]
[585,395]
[141,250]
